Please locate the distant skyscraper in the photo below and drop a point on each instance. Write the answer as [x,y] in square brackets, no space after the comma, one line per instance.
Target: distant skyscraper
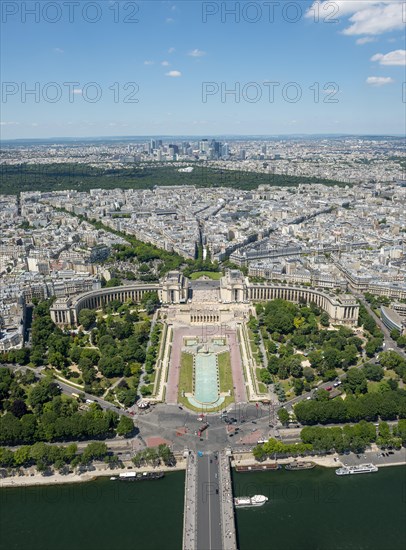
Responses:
[204,146]
[153,144]
[225,152]
[242,154]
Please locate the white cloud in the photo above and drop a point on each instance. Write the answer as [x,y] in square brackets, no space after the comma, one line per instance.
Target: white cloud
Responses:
[396,58]
[165,63]
[170,20]
[171,50]
[197,53]
[365,40]
[367,17]
[59,50]
[379,80]
[173,74]
[148,62]
[10,123]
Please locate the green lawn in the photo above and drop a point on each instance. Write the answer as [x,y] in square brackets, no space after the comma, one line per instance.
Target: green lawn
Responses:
[186,374]
[262,388]
[254,347]
[186,385]
[211,274]
[225,374]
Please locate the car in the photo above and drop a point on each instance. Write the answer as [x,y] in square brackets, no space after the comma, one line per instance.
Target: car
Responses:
[329,388]
[217,491]
[230,435]
[307,398]
[211,462]
[336,384]
[181,408]
[391,452]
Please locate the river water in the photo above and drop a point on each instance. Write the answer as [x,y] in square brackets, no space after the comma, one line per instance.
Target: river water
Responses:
[308,510]
[99,515]
[317,510]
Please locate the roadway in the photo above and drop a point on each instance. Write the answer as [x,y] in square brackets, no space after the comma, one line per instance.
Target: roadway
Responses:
[209,534]
[389,343]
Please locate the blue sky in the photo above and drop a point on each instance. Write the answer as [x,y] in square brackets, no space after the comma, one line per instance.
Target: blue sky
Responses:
[340,72]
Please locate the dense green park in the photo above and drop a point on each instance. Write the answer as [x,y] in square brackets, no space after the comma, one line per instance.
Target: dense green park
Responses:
[301,348]
[36,411]
[82,177]
[110,346]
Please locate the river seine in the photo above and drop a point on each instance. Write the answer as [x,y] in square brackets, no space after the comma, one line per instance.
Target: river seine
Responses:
[308,510]
[98,515]
[317,510]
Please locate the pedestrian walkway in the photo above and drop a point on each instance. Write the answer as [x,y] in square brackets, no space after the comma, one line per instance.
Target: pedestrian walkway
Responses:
[189,514]
[227,504]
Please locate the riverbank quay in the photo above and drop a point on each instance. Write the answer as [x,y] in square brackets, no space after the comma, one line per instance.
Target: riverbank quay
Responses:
[31,477]
[374,455]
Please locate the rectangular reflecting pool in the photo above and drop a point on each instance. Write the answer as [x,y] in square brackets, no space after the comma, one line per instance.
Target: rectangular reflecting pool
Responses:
[206,373]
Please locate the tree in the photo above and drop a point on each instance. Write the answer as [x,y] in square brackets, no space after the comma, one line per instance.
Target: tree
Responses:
[373,372]
[18,408]
[283,416]
[150,302]
[22,456]
[356,381]
[316,359]
[332,358]
[166,455]
[87,317]
[321,395]
[125,426]
[265,376]
[42,392]
[308,373]
[372,346]
[6,458]
[259,453]
[402,341]
[298,386]
[324,319]
[94,451]
[394,334]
